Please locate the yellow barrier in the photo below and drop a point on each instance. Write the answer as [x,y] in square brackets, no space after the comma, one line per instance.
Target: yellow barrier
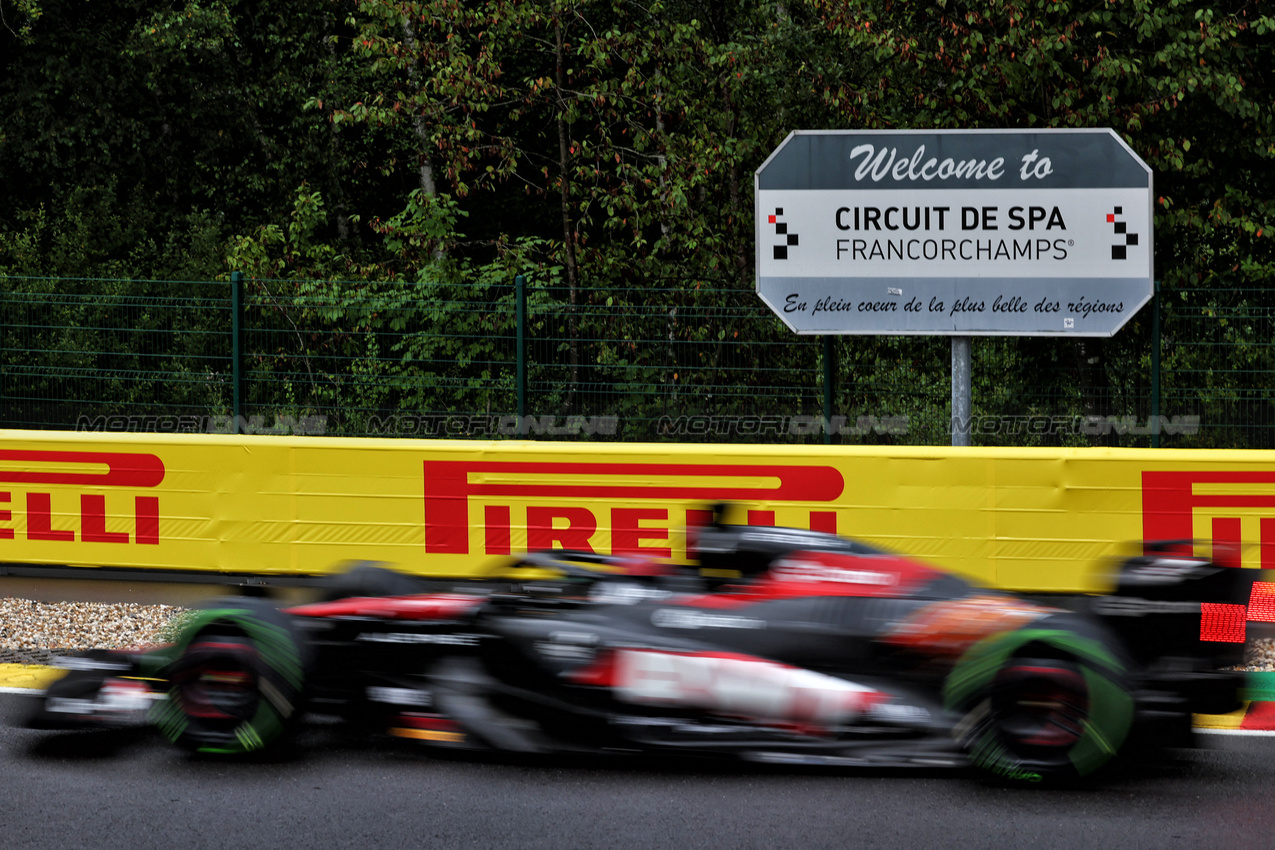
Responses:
[1032,519]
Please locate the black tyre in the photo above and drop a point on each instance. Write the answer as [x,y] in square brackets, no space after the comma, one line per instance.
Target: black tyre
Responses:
[1042,705]
[237,682]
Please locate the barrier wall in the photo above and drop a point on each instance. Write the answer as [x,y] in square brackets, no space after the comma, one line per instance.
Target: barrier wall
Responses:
[1029,519]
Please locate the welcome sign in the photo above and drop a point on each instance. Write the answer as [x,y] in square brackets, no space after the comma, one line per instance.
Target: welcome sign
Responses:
[954,232]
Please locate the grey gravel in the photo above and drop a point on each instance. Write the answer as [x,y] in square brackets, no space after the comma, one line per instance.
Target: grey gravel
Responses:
[48,628]
[1259,655]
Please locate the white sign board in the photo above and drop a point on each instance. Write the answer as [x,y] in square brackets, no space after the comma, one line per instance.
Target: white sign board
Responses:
[962,233]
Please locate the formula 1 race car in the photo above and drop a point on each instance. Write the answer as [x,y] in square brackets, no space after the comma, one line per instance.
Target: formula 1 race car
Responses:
[819,650]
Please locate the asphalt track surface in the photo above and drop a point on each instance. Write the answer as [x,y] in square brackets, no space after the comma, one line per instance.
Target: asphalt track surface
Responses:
[103,790]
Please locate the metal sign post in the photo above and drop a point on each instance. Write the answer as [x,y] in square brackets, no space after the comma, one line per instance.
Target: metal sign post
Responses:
[962,403]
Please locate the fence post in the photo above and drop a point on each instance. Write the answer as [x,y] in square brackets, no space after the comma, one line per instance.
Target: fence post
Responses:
[520,297]
[1155,366]
[828,372]
[236,348]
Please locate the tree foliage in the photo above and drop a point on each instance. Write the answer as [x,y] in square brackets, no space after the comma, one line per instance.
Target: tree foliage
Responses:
[605,147]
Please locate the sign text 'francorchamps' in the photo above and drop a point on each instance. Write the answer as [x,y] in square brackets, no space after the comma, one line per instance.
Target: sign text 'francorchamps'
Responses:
[962,232]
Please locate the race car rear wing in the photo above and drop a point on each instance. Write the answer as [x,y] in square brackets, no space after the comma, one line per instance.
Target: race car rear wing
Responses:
[1168,603]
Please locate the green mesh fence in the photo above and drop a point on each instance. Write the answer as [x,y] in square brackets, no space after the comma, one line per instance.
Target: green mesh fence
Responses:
[689,365]
[138,354]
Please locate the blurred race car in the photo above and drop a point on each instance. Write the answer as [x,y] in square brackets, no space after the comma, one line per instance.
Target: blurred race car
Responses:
[815,649]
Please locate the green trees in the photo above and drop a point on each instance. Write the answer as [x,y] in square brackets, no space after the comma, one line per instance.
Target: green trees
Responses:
[180,125]
[606,148]
[1186,84]
[622,135]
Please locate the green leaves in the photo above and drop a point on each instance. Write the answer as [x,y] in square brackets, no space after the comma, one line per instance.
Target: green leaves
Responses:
[607,146]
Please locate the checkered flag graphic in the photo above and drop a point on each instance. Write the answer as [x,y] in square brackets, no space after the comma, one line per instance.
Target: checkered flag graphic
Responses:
[781,230]
[1121,251]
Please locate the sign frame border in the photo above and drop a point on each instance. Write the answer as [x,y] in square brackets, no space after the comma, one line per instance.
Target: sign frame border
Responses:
[1150,295]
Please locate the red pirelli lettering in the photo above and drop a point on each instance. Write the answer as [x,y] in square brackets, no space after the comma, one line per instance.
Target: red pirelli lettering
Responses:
[627,532]
[118,469]
[1169,502]
[40,520]
[147,517]
[496,522]
[543,532]
[448,490]
[82,469]
[93,521]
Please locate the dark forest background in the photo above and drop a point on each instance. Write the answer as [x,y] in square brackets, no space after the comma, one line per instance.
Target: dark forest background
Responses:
[606,150]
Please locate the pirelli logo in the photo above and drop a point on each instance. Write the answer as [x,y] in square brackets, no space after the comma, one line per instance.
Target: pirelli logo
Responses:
[565,504]
[1228,506]
[27,473]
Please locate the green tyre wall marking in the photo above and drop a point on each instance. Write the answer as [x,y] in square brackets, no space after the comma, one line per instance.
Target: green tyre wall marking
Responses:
[280,679]
[1110,705]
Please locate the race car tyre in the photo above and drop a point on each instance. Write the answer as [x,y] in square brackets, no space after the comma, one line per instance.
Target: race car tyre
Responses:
[237,681]
[1041,705]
